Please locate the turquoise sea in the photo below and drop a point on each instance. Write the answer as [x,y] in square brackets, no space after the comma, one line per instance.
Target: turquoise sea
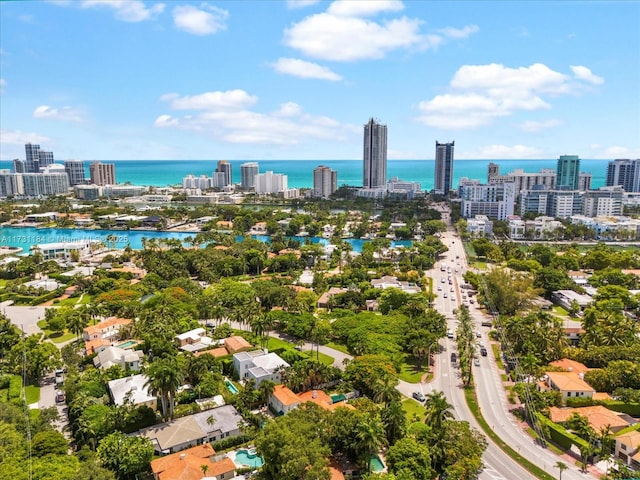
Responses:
[300,172]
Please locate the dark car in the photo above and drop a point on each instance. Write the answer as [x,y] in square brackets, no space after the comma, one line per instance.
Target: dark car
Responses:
[483,351]
[454,358]
[418,396]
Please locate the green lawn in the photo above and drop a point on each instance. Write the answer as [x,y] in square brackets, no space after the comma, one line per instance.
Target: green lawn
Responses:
[71,301]
[32,393]
[55,337]
[324,359]
[337,346]
[276,343]
[408,372]
[412,408]
[479,265]
[558,310]
[3,282]
[496,353]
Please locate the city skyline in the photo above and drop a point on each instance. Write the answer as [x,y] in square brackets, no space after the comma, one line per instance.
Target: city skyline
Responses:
[514,80]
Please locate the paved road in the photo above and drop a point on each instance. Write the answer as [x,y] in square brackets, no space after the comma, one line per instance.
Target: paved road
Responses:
[48,399]
[25,318]
[492,399]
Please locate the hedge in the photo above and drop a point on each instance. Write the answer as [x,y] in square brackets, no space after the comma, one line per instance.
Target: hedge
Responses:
[560,435]
[632,409]
[15,389]
[230,442]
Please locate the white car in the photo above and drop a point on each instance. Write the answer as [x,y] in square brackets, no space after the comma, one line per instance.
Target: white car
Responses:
[445,295]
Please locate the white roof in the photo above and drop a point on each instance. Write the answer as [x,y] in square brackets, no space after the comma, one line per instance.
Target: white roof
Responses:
[194,334]
[135,384]
[270,362]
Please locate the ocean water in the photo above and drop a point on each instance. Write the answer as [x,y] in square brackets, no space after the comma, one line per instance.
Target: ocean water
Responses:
[300,172]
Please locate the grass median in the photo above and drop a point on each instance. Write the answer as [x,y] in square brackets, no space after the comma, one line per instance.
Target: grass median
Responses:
[472,402]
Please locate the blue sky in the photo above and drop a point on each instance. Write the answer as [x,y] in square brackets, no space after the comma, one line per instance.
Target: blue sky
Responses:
[101,79]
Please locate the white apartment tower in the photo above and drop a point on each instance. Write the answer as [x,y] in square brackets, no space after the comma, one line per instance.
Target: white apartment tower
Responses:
[325,181]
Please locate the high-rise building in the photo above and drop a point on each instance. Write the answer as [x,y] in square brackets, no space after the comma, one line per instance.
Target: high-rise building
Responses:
[567,172]
[584,181]
[624,172]
[604,202]
[270,182]
[75,171]
[493,200]
[325,181]
[19,166]
[44,159]
[224,167]
[32,162]
[248,172]
[493,171]
[443,177]
[102,173]
[374,173]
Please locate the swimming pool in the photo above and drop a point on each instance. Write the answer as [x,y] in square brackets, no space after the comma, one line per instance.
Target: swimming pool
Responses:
[376,464]
[249,458]
[230,386]
[128,344]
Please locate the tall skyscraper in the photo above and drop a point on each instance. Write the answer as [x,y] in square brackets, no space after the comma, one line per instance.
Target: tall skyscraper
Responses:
[444,168]
[624,172]
[375,155]
[102,173]
[225,168]
[325,181]
[75,171]
[567,172]
[248,172]
[269,182]
[44,159]
[19,166]
[32,162]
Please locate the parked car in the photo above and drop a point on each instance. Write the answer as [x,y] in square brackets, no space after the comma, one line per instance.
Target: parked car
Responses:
[476,362]
[454,358]
[418,396]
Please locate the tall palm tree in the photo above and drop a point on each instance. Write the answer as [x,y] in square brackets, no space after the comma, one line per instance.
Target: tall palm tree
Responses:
[266,388]
[438,411]
[164,379]
[370,437]
[561,468]
[385,391]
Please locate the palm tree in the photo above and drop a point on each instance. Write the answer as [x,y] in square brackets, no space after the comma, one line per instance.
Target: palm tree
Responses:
[438,411]
[266,388]
[370,437]
[205,469]
[385,391]
[164,379]
[395,422]
[77,322]
[561,468]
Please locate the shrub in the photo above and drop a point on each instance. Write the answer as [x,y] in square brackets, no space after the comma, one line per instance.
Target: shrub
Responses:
[560,435]
[15,389]
[230,442]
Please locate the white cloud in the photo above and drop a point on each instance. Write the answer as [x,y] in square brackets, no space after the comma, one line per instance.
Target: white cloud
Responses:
[230,99]
[451,32]
[205,20]
[482,93]
[232,122]
[302,69]
[617,151]
[127,10]
[331,37]
[17,137]
[292,4]
[507,151]
[3,84]
[533,126]
[584,73]
[359,8]
[67,114]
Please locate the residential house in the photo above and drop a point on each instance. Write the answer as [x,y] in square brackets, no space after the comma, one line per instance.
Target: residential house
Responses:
[127,359]
[569,365]
[627,448]
[283,400]
[324,299]
[389,281]
[193,340]
[187,465]
[565,299]
[134,390]
[109,329]
[233,344]
[203,427]
[258,365]
[569,384]
[599,417]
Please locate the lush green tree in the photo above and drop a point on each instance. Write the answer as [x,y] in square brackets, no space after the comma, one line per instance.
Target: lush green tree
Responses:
[409,454]
[370,437]
[49,443]
[508,292]
[550,279]
[438,410]
[367,371]
[395,422]
[125,455]
[164,379]
[40,356]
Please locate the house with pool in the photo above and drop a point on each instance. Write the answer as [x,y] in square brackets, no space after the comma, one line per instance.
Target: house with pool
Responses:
[187,465]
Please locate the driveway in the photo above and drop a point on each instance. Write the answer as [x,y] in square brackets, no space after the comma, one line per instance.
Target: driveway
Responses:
[24,317]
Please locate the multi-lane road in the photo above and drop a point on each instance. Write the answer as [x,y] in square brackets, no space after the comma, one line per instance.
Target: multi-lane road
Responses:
[489,389]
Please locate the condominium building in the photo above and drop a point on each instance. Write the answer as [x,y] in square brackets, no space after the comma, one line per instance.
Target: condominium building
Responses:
[35,158]
[522,180]
[102,173]
[443,177]
[248,172]
[325,181]
[374,158]
[567,172]
[202,182]
[269,182]
[552,203]
[19,166]
[496,201]
[604,202]
[75,171]
[226,177]
[624,172]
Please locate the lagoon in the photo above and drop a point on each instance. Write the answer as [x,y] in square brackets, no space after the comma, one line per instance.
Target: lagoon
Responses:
[26,237]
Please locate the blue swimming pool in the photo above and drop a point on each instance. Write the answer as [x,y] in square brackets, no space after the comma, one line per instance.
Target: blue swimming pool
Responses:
[249,458]
[127,344]
[376,464]
[230,386]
